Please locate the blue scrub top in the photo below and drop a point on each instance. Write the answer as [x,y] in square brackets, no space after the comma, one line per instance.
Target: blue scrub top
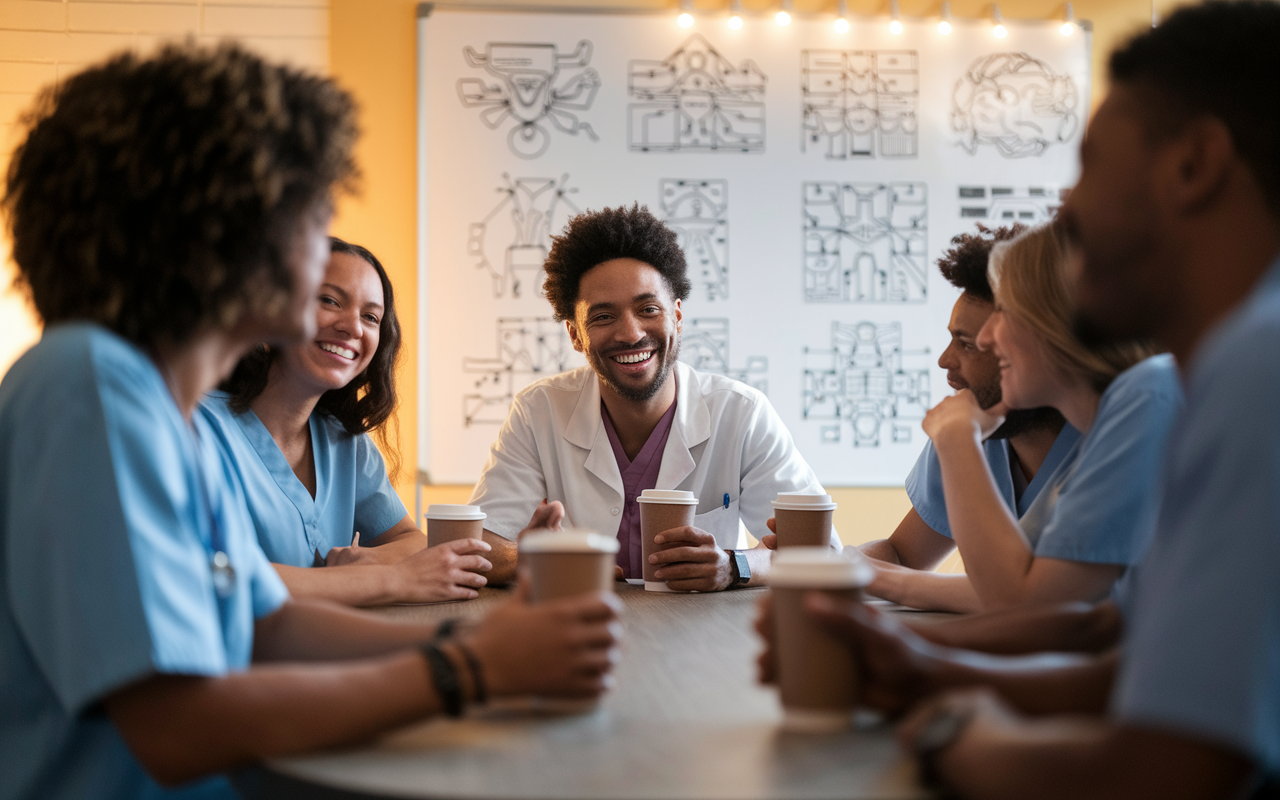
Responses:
[352,490]
[924,484]
[105,561]
[1202,655]
[1102,509]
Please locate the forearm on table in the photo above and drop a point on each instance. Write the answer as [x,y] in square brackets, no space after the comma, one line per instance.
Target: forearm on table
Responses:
[404,539]
[1045,683]
[928,591]
[1064,627]
[183,727]
[349,585]
[309,630]
[504,557]
[996,553]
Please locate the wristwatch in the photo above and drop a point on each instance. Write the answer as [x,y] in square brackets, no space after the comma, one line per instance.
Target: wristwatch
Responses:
[938,733]
[741,569]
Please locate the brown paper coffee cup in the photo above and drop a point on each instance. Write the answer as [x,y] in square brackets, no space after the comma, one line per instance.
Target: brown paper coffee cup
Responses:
[447,522]
[661,510]
[803,520]
[817,673]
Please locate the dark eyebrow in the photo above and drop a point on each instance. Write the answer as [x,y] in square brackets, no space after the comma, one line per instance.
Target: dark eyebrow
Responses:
[335,289]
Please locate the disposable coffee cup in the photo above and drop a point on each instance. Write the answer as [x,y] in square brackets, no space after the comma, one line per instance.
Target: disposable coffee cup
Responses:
[817,673]
[447,522]
[661,510]
[568,563]
[803,520]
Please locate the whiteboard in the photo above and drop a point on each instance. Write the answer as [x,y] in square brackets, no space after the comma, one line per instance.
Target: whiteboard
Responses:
[814,178]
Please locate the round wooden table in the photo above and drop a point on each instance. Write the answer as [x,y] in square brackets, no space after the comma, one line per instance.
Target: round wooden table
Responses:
[687,721]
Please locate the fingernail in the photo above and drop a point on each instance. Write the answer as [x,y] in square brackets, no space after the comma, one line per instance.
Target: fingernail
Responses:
[653,559]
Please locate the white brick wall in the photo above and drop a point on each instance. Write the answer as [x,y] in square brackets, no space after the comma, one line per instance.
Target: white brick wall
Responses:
[43,41]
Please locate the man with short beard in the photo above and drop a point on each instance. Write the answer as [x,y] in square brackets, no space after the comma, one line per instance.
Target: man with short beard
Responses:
[636,418]
[1024,454]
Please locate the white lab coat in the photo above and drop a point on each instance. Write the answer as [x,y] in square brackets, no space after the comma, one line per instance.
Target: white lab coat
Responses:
[726,441]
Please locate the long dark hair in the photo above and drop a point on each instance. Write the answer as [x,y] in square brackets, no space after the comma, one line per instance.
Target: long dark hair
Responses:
[368,402]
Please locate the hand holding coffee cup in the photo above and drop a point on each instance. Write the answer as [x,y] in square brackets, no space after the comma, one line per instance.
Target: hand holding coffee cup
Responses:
[816,672]
[662,510]
[447,522]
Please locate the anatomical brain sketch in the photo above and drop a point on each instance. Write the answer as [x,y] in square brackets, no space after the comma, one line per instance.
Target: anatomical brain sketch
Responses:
[528,91]
[512,241]
[528,349]
[1015,103]
[860,385]
[698,211]
[859,103]
[704,345]
[1005,205]
[696,100]
[865,242]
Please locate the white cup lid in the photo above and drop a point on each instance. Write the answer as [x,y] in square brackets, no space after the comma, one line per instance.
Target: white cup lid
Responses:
[567,542]
[804,502]
[453,511]
[669,496]
[820,568]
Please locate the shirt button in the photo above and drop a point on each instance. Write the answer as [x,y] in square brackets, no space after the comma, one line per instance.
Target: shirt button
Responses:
[616,512]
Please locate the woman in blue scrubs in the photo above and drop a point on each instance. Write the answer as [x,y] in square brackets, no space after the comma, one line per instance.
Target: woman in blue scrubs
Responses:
[1085,529]
[296,422]
[167,214]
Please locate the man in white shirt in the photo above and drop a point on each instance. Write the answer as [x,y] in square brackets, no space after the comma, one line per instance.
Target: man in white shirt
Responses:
[636,418]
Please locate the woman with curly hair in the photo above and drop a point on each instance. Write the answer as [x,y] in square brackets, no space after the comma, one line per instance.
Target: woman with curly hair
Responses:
[168,214]
[296,423]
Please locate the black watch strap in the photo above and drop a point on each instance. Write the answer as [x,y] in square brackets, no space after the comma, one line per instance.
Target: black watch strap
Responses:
[741,568]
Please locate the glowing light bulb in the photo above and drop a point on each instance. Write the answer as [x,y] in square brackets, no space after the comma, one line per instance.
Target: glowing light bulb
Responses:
[895,27]
[842,25]
[735,22]
[685,20]
[782,18]
[999,31]
[1069,24]
[944,25]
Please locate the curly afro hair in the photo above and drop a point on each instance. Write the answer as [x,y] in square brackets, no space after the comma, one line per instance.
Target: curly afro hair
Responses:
[160,195]
[965,264]
[595,237]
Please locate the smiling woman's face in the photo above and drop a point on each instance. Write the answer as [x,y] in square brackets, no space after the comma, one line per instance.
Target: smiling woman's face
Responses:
[348,318]
[1027,378]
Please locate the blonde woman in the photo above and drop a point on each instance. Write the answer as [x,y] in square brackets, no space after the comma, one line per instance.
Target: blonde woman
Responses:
[1085,529]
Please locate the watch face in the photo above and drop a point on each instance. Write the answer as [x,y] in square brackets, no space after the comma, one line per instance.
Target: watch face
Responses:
[744,568]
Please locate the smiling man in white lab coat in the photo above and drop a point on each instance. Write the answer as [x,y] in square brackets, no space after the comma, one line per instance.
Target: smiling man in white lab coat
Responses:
[636,418]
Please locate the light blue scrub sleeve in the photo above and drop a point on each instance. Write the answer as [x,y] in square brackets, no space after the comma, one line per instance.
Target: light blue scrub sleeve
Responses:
[378,507]
[1105,513]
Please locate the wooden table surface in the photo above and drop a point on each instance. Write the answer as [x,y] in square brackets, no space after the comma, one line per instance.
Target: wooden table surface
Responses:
[687,721]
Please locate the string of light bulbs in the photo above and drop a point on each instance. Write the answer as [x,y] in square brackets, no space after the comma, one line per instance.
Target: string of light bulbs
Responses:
[786,9]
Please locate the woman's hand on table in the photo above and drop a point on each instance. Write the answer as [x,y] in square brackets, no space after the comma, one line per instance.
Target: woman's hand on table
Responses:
[960,416]
[447,571]
[558,648]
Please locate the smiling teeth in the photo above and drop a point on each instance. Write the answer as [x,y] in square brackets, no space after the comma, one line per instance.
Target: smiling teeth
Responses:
[342,351]
[634,359]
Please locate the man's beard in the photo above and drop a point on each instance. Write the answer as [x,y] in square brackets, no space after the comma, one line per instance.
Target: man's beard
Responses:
[666,362]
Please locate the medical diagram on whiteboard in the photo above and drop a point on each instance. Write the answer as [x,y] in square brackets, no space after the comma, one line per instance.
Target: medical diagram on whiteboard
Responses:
[528,349]
[1015,103]
[1005,205]
[696,100]
[860,103]
[698,212]
[517,233]
[865,242]
[861,386]
[528,91]
[704,345]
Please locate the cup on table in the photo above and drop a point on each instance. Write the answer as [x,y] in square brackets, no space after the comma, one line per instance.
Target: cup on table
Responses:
[661,510]
[447,522]
[566,563]
[803,520]
[817,673]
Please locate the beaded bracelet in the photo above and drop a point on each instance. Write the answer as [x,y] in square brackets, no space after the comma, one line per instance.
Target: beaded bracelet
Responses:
[445,679]
[477,672]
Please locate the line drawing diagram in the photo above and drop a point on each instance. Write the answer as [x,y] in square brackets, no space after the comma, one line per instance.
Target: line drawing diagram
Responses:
[517,232]
[698,212]
[529,92]
[528,349]
[1005,205]
[695,100]
[860,103]
[704,345]
[860,385]
[865,242]
[1015,103]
